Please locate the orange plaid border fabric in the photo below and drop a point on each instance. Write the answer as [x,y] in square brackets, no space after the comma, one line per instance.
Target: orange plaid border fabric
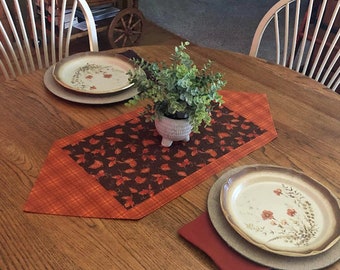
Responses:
[73,183]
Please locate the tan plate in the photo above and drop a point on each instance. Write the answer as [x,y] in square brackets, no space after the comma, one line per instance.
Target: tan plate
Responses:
[281,210]
[93,73]
[253,252]
[73,96]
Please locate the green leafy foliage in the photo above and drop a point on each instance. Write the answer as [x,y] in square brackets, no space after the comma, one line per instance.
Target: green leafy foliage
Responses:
[180,87]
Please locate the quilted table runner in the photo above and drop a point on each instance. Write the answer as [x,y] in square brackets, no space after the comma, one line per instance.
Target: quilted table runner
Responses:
[118,169]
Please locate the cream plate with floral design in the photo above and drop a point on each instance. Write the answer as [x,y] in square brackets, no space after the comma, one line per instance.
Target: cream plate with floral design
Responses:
[74,96]
[281,210]
[93,73]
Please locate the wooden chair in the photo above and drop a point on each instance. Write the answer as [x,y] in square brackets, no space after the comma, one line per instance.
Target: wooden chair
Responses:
[34,35]
[310,39]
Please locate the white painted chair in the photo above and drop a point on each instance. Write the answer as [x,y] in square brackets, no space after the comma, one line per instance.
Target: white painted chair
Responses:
[29,39]
[307,41]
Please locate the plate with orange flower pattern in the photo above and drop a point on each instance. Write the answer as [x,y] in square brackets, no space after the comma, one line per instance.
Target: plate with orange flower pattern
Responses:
[281,210]
[94,73]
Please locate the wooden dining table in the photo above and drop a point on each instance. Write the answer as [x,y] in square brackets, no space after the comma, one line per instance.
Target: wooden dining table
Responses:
[305,113]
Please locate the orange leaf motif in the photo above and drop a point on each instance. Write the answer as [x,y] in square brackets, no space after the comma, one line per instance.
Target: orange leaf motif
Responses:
[80,158]
[120,179]
[133,190]
[96,164]
[134,121]
[130,171]
[229,126]
[145,170]
[132,162]
[137,128]
[144,192]
[182,173]
[113,140]
[234,114]
[148,191]
[128,201]
[119,131]
[160,178]
[114,193]
[94,141]
[148,157]
[112,161]
[184,163]
[240,140]
[118,151]
[211,152]
[100,173]
[210,139]
[146,143]
[134,136]
[140,180]
[131,147]
[222,135]
[180,154]
[194,151]
[100,151]
[245,127]
[165,150]
[165,167]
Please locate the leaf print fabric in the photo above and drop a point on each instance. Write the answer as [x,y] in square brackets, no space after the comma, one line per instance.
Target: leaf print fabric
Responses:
[129,161]
[118,169]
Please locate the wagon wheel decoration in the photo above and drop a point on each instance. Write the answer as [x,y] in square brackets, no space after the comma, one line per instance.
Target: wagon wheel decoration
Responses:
[126,28]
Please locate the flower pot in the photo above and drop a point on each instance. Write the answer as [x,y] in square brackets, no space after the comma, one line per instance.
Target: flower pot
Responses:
[173,130]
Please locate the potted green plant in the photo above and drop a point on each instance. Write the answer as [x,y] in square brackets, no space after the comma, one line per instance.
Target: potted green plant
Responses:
[177,91]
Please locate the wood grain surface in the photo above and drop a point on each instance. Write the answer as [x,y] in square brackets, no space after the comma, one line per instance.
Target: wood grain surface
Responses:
[305,113]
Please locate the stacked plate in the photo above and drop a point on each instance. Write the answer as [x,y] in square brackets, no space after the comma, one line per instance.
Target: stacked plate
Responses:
[91,78]
[277,216]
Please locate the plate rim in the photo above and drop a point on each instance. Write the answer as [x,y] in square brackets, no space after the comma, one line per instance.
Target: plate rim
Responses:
[236,179]
[65,60]
[252,252]
[66,94]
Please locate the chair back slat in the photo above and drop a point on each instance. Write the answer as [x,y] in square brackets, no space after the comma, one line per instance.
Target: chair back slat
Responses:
[15,35]
[277,39]
[52,29]
[335,81]
[34,36]
[335,76]
[61,32]
[91,26]
[68,36]
[313,39]
[43,15]
[7,66]
[303,43]
[24,35]
[326,59]
[3,68]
